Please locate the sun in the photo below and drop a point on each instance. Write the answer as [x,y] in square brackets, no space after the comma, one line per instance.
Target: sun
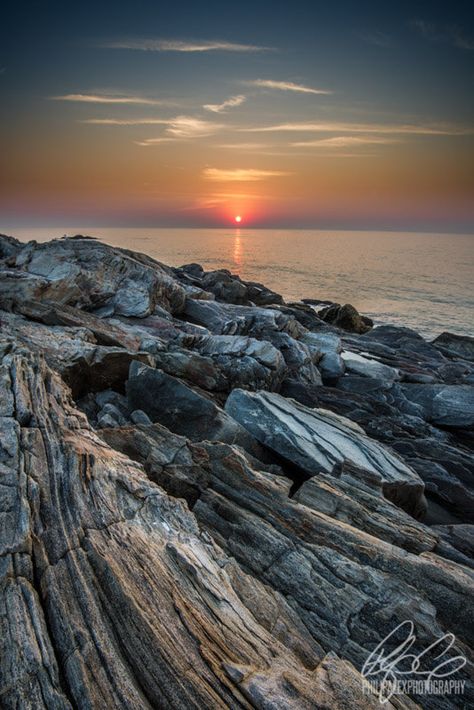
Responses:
[238,219]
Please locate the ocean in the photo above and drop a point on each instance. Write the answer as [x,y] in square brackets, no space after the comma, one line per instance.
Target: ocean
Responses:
[421,280]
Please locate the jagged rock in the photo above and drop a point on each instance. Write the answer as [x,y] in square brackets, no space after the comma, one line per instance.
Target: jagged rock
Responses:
[329,346]
[229,319]
[94,276]
[170,401]
[9,246]
[110,594]
[73,352]
[444,405]
[452,345]
[367,367]
[242,361]
[346,317]
[460,537]
[225,287]
[347,585]
[106,332]
[318,440]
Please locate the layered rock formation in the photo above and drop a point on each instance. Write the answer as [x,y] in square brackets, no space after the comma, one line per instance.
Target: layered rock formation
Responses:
[210,498]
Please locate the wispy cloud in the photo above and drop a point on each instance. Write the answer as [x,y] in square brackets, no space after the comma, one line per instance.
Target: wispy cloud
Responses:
[167,45]
[241,174]
[232,102]
[375,37]
[155,141]
[395,129]
[189,127]
[109,99]
[244,146]
[126,121]
[345,142]
[179,127]
[285,86]
[445,34]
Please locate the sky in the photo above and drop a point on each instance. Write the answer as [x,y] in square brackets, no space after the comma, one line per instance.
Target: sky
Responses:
[348,115]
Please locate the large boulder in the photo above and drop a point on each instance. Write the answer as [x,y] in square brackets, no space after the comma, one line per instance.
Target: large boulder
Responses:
[346,317]
[318,440]
[97,277]
[169,401]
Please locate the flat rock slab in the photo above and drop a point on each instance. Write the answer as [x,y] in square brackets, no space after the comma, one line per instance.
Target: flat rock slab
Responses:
[368,367]
[444,405]
[317,440]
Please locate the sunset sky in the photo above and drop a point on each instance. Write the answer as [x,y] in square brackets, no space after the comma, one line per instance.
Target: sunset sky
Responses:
[289,114]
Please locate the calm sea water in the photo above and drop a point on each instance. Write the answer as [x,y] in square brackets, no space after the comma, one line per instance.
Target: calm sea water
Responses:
[424,281]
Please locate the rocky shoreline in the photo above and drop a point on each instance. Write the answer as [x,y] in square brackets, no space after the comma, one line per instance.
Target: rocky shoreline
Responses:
[212,498]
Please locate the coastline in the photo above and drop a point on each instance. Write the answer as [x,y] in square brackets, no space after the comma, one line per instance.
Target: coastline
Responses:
[216,496]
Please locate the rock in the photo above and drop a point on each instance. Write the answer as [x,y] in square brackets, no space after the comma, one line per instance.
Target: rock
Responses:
[138,416]
[346,317]
[170,401]
[332,368]
[367,367]
[261,295]
[453,345]
[242,361]
[225,287]
[320,558]
[96,277]
[329,346]
[459,536]
[9,246]
[198,370]
[228,319]
[444,405]
[110,593]
[318,440]
[73,352]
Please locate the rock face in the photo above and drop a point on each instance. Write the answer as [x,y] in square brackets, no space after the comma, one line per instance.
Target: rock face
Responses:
[346,317]
[317,440]
[444,405]
[100,278]
[209,498]
[460,346]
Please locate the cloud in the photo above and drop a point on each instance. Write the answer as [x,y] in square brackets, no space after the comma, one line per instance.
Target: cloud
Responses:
[126,121]
[109,99]
[229,103]
[155,141]
[345,141]
[396,129]
[375,37]
[179,127]
[166,45]
[241,174]
[244,146]
[285,86]
[444,34]
[189,127]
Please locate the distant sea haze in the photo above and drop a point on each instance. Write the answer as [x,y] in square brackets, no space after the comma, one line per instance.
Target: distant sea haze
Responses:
[419,280]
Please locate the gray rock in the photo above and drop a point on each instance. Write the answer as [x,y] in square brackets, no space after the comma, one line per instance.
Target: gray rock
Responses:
[444,405]
[461,346]
[318,440]
[138,416]
[367,367]
[95,276]
[229,319]
[185,411]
